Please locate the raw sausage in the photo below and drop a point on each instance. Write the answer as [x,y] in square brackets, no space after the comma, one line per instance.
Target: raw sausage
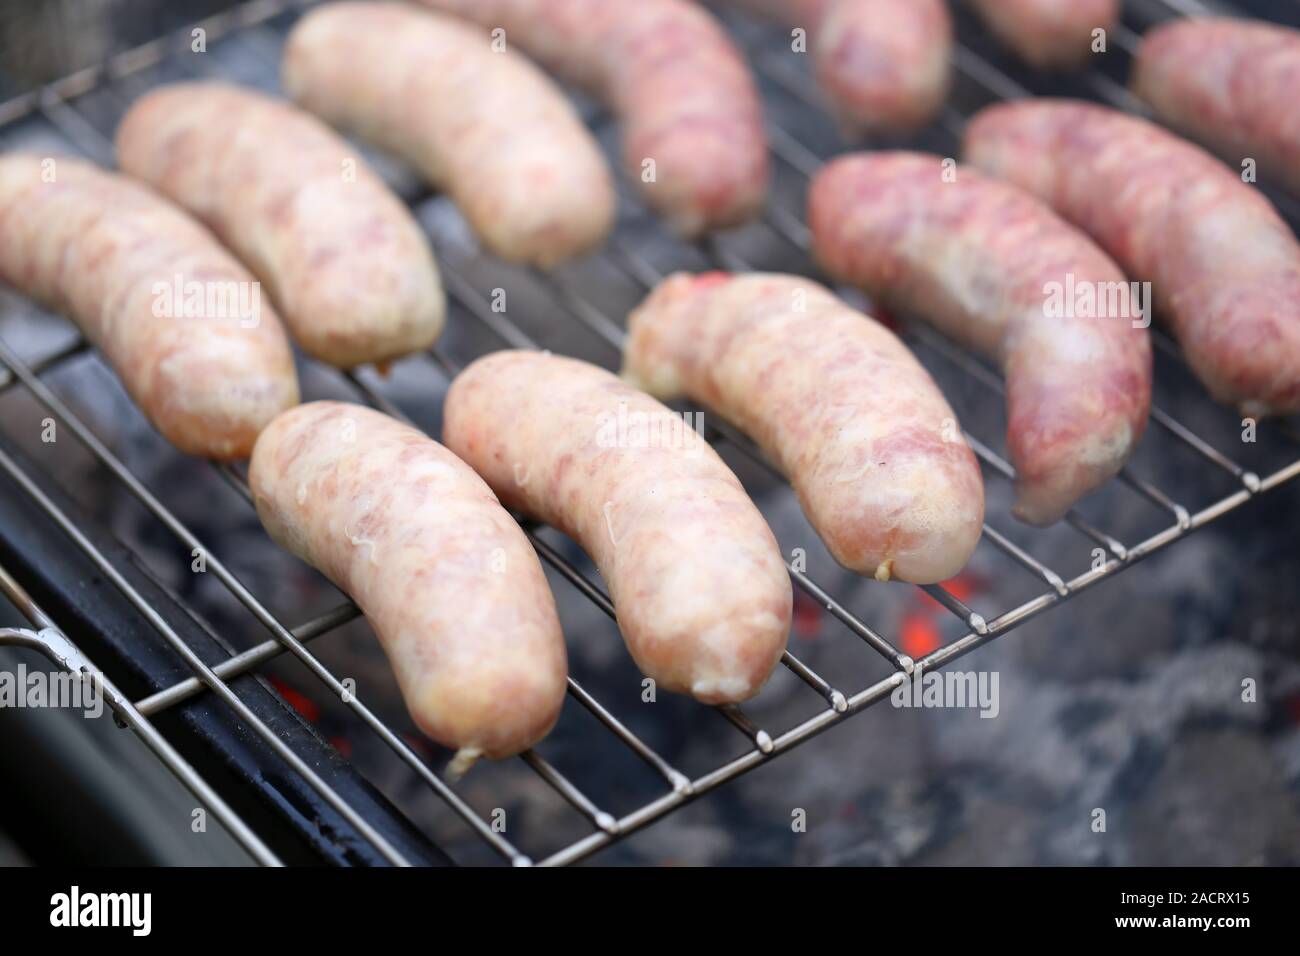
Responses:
[346,264]
[682,90]
[444,575]
[1230,84]
[882,63]
[840,405]
[180,321]
[487,127]
[696,577]
[990,266]
[1224,267]
[1049,33]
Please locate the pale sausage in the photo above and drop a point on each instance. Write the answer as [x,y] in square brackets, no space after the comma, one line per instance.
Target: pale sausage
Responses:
[883,64]
[702,595]
[348,267]
[693,138]
[875,454]
[487,127]
[444,575]
[183,324]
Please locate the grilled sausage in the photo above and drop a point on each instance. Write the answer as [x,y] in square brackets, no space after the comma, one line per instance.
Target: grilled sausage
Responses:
[980,259]
[1224,267]
[835,400]
[882,63]
[702,595]
[1049,33]
[682,90]
[1230,84]
[487,127]
[180,321]
[444,575]
[346,264]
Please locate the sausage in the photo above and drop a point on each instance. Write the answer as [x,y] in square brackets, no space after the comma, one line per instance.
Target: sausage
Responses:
[444,575]
[882,63]
[702,595]
[1223,266]
[682,90]
[486,127]
[1229,84]
[346,264]
[1049,33]
[835,400]
[180,321]
[979,259]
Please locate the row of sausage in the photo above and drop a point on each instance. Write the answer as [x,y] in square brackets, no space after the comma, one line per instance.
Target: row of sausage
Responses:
[416,533]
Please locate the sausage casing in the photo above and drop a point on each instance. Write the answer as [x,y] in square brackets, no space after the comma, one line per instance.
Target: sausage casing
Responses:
[702,595]
[444,575]
[980,259]
[1223,266]
[1230,84]
[871,447]
[1049,33]
[693,137]
[182,323]
[348,267]
[485,126]
[883,64]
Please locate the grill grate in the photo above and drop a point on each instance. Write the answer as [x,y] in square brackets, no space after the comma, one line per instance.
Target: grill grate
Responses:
[59,104]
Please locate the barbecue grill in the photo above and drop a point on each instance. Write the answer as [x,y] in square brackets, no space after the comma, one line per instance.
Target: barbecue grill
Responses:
[191,688]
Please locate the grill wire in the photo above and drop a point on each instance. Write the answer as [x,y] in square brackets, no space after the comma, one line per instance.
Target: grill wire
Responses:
[58,104]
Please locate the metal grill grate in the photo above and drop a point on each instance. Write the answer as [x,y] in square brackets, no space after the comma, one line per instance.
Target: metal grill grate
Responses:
[59,105]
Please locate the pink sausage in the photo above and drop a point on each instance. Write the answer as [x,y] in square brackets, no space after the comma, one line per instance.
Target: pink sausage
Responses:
[1224,268]
[1231,84]
[682,90]
[486,127]
[1049,33]
[207,363]
[347,265]
[702,595]
[443,574]
[882,63]
[835,400]
[978,258]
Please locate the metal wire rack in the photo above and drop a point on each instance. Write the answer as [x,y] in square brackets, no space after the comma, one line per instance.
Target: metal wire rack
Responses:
[58,105]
